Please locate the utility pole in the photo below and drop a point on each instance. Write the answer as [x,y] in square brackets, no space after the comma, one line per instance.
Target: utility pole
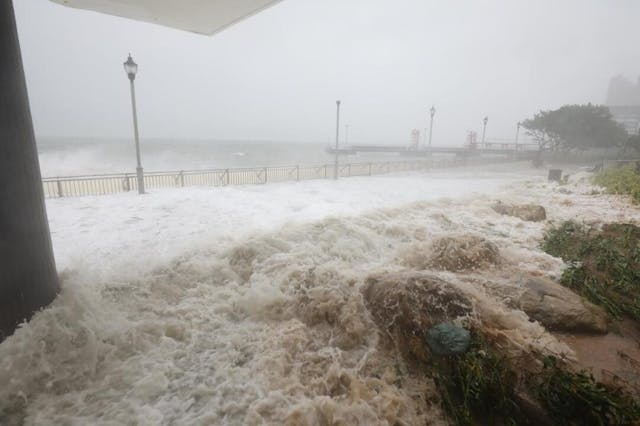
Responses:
[335,166]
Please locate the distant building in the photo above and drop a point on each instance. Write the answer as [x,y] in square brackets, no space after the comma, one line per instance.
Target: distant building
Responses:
[623,100]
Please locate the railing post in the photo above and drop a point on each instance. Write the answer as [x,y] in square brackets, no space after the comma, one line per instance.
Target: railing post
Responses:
[126,185]
[388,167]
[60,194]
[349,170]
[182,178]
[369,168]
[325,171]
[227,173]
[265,175]
[298,172]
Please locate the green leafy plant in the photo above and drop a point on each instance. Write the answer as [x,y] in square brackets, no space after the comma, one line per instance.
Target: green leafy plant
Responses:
[477,387]
[622,180]
[566,241]
[578,399]
[604,265]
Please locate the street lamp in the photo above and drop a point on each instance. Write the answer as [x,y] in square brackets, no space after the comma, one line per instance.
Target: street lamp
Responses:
[432,111]
[484,128]
[335,166]
[131,68]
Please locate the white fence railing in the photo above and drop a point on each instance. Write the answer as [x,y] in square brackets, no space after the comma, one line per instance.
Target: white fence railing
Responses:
[76,186]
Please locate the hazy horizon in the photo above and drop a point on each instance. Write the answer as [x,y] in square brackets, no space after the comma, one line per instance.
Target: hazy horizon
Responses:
[276,76]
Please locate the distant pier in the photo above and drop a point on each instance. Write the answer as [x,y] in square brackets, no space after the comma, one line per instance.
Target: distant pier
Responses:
[488,148]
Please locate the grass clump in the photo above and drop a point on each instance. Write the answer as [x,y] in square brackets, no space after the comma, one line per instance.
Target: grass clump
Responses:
[578,399]
[483,387]
[622,180]
[477,387]
[604,264]
[566,241]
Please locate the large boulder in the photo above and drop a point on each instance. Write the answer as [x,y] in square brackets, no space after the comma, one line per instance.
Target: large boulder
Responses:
[526,212]
[462,252]
[405,305]
[558,308]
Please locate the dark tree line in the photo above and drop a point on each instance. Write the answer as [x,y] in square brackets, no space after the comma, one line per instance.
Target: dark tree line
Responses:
[577,127]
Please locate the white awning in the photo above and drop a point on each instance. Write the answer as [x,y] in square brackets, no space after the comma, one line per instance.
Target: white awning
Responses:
[200,16]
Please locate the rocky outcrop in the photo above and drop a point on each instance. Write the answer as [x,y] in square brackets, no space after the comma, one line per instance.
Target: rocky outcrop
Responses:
[558,308]
[405,305]
[462,252]
[526,212]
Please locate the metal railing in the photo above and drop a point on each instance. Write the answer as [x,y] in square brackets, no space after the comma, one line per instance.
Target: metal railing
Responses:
[611,164]
[503,146]
[104,184]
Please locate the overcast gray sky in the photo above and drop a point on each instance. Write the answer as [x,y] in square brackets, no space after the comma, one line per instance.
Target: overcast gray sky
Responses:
[277,75]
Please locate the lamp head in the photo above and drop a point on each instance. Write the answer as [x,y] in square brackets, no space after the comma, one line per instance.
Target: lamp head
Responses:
[131,68]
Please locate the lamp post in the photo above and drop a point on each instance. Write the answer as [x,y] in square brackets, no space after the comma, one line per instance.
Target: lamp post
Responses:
[131,68]
[346,134]
[517,134]
[335,165]
[484,128]
[432,111]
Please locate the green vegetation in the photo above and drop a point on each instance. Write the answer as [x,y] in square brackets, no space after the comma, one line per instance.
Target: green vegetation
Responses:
[477,387]
[632,146]
[576,398]
[604,265]
[575,127]
[623,180]
[566,241]
[483,387]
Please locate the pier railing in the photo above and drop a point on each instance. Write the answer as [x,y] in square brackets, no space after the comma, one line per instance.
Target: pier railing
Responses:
[103,184]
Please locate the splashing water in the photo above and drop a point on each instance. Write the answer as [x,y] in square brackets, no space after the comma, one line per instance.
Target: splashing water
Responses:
[210,318]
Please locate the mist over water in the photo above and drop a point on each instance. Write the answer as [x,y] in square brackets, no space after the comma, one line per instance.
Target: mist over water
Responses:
[74,156]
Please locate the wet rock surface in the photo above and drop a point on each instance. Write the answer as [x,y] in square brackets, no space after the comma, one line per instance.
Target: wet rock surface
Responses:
[526,212]
[448,339]
[407,304]
[462,252]
[558,308]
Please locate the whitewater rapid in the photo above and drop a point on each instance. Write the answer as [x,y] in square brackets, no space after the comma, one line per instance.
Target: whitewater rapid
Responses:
[243,305]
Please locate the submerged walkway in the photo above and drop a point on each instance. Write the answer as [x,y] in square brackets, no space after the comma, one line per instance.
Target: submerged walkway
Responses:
[103,184]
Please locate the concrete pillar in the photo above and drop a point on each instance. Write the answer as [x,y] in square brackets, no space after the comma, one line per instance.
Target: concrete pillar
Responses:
[28,279]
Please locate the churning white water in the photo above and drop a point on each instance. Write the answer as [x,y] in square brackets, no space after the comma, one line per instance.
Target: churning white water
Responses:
[242,305]
[67,157]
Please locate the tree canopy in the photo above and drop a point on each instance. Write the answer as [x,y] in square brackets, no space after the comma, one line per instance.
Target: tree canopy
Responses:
[633,143]
[575,127]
